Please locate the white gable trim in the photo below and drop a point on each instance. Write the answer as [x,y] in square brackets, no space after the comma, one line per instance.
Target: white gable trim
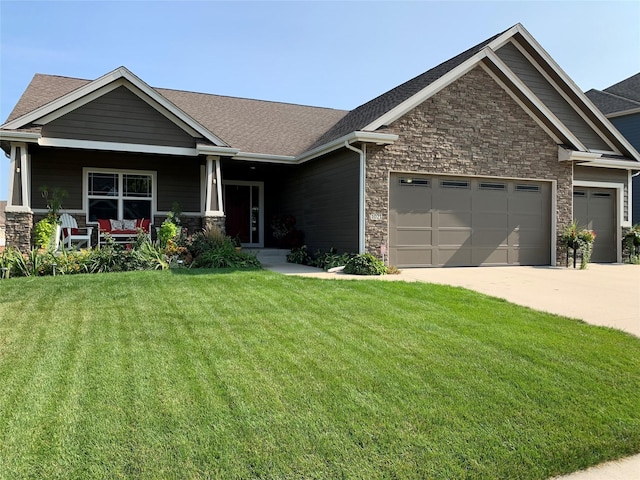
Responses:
[108,82]
[431,89]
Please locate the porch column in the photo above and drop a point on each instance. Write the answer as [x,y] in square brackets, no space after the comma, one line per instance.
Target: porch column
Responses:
[19,218]
[214,210]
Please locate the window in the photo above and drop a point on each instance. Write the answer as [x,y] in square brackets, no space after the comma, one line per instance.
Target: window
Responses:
[492,186]
[454,184]
[528,188]
[414,182]
[119,195]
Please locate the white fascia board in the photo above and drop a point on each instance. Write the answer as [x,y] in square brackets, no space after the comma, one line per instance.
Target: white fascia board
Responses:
[577,91]
[216,150]
[103,85]
[116,147]
[610,163]
[428,91]
[357,136]
[515,80]
[566,155]
[26,137]
[623,113]
[264,157]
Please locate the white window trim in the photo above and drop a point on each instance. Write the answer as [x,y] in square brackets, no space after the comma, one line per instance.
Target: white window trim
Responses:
[85,187]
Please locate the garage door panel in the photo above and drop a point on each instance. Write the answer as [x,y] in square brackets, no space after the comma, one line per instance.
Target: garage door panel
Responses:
[453,237]
[454,219]
[490,256]
[413,256]
[472,221]
[413,219]
[454,257]
[490,238]
[595,209]
[490,220]
[414,237]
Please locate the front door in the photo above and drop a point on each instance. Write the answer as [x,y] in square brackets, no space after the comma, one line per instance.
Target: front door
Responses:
[244,212]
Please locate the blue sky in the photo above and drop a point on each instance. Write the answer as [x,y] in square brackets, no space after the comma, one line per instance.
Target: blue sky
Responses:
[331,53]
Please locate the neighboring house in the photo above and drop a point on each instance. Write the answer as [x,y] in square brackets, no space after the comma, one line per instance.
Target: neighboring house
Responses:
[472,163]
[621,105]
[2,224]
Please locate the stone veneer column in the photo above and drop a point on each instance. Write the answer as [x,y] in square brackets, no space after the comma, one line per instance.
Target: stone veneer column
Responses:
[471,127]
[218,221]
[18,230]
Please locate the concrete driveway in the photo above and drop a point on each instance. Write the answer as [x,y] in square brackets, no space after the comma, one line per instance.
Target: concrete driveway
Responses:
[603,294]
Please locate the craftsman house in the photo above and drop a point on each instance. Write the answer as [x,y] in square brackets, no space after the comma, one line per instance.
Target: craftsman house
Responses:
[474,162]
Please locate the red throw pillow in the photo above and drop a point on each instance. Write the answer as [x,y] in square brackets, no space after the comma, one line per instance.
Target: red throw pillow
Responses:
[104,225]
[144,223]
[74,231]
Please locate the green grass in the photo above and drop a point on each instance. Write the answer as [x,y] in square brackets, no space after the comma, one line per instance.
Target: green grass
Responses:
[258,375]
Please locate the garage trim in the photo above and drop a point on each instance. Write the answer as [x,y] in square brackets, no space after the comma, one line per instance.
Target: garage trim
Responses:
[553,184]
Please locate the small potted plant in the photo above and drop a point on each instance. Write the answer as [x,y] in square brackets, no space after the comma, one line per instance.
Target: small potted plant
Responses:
[632,239]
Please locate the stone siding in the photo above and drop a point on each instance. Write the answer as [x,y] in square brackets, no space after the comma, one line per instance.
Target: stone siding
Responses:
[19,226]
[471,127]
[215,221]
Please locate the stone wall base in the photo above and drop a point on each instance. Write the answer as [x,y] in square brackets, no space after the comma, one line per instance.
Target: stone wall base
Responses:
[215,221]
[19,226]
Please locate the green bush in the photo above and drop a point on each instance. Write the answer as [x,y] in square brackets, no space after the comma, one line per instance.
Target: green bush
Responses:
[300,256]
[365,264]
[167,231]
[225,255]
[331,259]
[44,232]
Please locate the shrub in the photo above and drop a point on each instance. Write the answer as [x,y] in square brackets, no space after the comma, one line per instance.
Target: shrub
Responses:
[365,264]
[225,255]
[300,256]
[44,232]
[331,259]
[167,231]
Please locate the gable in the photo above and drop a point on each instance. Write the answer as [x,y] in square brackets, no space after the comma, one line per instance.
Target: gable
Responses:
[118,116]
[552,99]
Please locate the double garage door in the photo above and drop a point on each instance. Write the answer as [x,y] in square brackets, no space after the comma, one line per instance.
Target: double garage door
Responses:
[468,221]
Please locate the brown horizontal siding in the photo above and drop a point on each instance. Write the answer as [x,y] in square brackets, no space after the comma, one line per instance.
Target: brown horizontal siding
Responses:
[323,196]
[178,178]
[533,79]
[122,117]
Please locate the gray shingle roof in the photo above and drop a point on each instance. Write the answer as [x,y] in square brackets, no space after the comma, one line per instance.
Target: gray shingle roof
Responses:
[608,103]
[622,96]
[257,126]
[365,114]
[253,126]
[628,88]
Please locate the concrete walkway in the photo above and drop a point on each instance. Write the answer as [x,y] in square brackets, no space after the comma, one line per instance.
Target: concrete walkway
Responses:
[606,295]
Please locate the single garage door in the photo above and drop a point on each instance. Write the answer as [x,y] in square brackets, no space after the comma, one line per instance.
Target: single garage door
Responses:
[595,209]
[460,221]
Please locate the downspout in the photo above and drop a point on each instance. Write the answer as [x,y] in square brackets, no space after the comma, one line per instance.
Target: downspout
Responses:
[361,224]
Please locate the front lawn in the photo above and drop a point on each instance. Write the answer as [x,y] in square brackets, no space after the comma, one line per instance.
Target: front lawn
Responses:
[185,374]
